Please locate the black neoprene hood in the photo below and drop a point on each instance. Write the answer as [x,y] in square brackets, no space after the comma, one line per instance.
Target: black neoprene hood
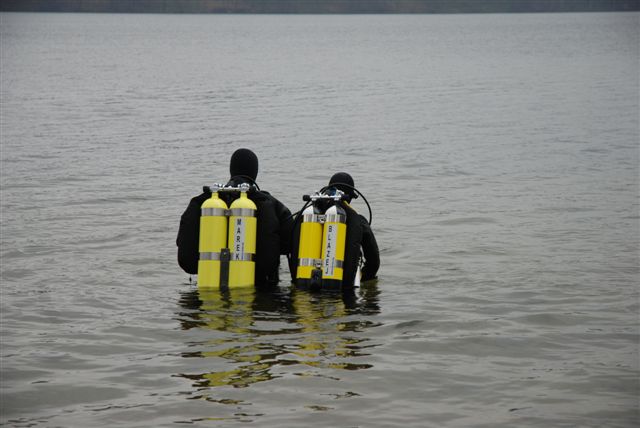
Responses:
[244,162]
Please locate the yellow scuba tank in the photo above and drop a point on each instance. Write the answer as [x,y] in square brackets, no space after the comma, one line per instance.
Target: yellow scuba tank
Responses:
[242,241]
[308,272]
[333,245]
[212,241]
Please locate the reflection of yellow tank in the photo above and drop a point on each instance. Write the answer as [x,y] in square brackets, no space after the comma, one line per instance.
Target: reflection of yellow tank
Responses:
[256,336]
[227,310]
[232,312]
[313,310]
[241,377]
[329,341]
[316,314]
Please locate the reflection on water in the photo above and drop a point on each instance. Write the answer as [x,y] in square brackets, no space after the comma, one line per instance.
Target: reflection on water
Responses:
[253,335]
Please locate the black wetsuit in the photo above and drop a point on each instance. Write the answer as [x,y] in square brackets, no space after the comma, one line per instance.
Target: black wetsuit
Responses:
[359,236]
[272,236]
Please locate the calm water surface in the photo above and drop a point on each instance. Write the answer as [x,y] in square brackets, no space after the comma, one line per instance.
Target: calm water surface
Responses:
[499,154]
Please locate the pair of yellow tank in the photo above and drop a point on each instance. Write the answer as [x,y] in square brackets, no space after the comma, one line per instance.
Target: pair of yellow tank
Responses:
[321,247]
[227,243]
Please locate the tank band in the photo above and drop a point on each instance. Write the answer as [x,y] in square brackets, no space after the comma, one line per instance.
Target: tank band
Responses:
[313,218]
[335,218]
[339,264]
[317,262]
[209,256]
[243,257]
[306,261]
[242,212]
[206,212]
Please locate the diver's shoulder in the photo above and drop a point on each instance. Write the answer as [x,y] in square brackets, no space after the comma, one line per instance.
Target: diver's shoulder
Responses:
[200,198]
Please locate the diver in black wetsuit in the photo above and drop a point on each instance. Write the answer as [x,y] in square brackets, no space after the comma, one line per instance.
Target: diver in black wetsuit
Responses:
[360,241]
[273,225]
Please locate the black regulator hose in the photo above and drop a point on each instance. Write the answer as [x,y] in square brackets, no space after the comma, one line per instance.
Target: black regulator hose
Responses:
[352,188]
[249,179]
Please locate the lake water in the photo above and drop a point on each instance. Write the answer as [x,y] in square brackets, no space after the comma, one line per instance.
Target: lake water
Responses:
[500,157]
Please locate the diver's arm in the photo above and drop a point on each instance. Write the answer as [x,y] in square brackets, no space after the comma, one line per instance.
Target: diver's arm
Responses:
[189,235]
[370,252]
[286,224]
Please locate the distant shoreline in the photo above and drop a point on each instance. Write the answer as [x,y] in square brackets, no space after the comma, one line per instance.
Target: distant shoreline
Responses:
[319,6]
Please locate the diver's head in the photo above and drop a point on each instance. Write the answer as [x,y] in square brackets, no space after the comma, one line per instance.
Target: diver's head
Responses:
[244,163]
[343,181]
